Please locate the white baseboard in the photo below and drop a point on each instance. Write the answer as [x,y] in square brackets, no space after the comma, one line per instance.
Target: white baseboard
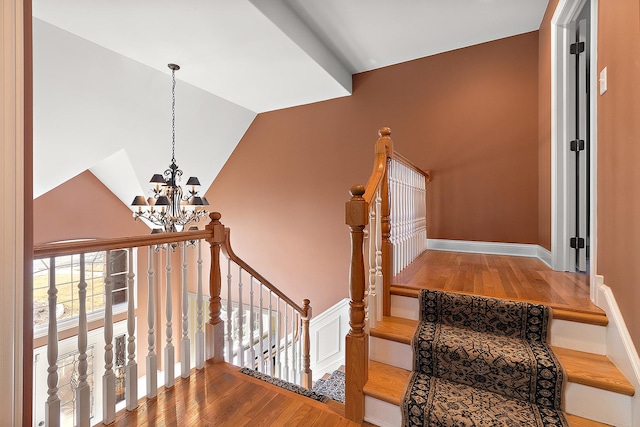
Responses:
[620,348]
[494,248]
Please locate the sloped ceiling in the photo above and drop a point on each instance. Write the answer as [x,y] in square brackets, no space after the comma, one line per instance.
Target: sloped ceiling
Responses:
[102,89]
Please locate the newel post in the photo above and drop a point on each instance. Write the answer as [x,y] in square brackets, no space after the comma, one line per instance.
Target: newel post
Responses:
[357,340]
[215,326]
[385,144]
[307,377]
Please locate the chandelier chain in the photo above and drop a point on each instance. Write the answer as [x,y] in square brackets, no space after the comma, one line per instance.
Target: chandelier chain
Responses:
[173,115]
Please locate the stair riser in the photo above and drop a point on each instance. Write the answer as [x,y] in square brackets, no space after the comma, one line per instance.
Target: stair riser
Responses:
[382,413]
[598,405]
[579,336]
[391,352]
[564,333]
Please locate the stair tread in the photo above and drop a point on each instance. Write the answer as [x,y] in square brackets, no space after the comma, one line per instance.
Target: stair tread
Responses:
[575,421]
[395,329]
[387,383]
[593,370]
[598,318]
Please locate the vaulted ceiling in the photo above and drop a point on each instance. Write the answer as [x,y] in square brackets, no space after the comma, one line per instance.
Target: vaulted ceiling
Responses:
[102,89]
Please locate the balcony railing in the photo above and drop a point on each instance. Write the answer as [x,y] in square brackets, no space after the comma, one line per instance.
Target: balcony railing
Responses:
[160,283]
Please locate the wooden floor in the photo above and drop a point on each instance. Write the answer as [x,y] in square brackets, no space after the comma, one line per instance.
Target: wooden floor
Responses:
[222,396]
[516,278]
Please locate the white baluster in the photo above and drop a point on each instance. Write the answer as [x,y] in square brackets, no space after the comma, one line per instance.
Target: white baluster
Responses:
[377,311]
[131,372]
[252,352]
[300,338]
[286,343]
[270,352]
[52,408]
[278,340]
[185,343]
[229,315]
[294,364]
[169,350]
[261,329]
[152,357]
[199,304]
[109,377]
[370,314]
[240,320]
[83,391]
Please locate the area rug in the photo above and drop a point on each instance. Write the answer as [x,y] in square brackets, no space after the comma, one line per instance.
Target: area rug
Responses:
[285,385]
[482,361]
[332,387]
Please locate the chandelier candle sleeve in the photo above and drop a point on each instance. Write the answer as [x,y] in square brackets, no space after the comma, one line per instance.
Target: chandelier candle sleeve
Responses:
[169,207]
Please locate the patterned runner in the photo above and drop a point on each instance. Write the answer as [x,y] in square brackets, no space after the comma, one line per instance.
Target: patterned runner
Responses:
[482,361]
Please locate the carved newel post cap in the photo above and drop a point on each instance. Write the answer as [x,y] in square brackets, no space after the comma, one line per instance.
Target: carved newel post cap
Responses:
[215,216]
[384,131]
[357,191]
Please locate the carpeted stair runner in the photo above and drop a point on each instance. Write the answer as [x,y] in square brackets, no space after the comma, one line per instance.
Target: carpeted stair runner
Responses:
[285,385]
[482,361]
[332,387]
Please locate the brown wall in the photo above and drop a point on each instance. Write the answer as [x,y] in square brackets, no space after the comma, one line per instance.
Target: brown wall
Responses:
[469,115]
[544,127]
[82,208]
[618,183]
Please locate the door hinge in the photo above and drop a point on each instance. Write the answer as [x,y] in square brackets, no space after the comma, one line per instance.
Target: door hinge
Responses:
[576,48]
[577,145]
[579,241]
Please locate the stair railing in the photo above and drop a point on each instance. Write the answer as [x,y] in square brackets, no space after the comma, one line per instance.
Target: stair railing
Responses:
[170,271]
[390,215]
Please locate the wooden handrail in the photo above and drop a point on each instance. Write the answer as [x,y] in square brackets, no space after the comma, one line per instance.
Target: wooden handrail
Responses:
[402,159]
[228,251]
[84,246]
[384,150]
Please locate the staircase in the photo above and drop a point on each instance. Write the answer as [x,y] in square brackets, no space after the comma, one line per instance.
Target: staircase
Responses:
[596,393]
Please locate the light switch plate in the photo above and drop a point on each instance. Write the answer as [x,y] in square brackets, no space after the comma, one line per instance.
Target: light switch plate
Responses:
[603,81]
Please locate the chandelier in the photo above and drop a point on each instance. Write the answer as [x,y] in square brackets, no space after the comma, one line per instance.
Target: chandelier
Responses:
[170,207]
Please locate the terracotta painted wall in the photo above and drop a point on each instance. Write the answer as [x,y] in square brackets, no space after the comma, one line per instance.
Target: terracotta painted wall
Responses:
[544,127]
[82,208]
[469,115]
[618,184]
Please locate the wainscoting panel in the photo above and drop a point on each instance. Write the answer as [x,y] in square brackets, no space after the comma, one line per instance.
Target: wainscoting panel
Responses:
[327,332]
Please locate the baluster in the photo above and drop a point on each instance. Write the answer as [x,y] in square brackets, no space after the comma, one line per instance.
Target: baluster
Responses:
[278,339]
[109,377]
[229,315]
[185,342]
[83,391]
[199,318]
[378,281]
[152,357]
[261,326]
[300,355]
[294,343]
[371,310]
[169,351]
[307,376]
[270,353]
[252,353]
[240,319]
[52,409]
[286,343]
[131,371]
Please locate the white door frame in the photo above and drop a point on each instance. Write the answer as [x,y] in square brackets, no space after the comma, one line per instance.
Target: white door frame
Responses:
[566,12]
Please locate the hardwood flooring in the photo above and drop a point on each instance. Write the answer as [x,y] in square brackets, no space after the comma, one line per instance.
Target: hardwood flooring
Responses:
[222,396]
[508,277]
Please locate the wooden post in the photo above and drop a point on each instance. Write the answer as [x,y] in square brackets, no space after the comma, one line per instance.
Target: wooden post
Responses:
[385,144]
[357,340]
[307,377]
[215,326]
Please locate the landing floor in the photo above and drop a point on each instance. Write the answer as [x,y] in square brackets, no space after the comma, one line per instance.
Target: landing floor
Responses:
[508,277]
